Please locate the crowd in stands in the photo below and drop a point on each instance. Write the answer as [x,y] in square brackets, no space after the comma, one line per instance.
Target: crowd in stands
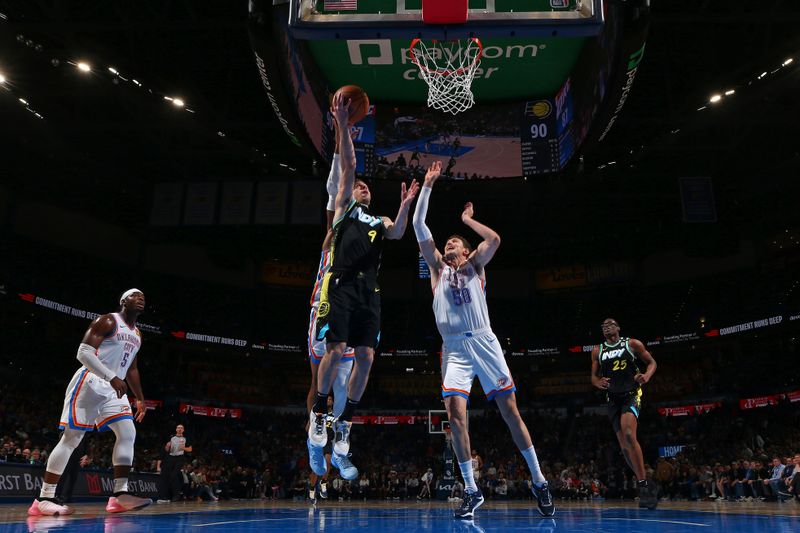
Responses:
[728,454]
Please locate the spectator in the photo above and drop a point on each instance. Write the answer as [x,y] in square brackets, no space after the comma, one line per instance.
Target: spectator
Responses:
[772,485]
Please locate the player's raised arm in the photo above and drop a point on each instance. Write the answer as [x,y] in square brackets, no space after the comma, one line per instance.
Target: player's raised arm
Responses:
[424,237]
[334,176]
[347,154]
[491,240]
[395,229]
[638,348]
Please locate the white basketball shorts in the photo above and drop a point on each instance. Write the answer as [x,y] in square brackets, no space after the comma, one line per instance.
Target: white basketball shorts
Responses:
[471,354]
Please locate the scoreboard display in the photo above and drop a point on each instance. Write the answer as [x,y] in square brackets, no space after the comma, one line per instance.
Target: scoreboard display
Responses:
[546,137]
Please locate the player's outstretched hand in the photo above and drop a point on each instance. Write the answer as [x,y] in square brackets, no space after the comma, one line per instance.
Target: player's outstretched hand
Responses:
[641,379]
[468,212]
[340,108]
[120,386]
[141,410]
[407,194]
[433,173]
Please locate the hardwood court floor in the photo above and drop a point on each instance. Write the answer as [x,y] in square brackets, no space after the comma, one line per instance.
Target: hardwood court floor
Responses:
[409,517]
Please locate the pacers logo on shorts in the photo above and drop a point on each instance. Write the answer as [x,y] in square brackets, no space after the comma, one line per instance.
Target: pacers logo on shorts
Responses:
[324,309]
[502,381]
[124,409]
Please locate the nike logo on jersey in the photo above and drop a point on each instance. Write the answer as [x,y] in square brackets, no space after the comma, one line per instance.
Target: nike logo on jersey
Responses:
[366,218]
[612,354]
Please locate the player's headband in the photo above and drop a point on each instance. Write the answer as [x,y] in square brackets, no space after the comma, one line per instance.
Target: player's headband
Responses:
[126,294]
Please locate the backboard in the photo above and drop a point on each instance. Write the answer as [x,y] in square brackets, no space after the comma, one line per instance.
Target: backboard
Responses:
[314,19]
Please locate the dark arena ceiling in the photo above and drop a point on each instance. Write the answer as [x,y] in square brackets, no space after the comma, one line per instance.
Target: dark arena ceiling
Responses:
[98,143]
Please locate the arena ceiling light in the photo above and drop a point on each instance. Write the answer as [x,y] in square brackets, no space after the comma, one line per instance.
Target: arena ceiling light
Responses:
[788,62]
[113,71]
[84,67]
[715,98]
[729,92]
[2,79]
[177,102]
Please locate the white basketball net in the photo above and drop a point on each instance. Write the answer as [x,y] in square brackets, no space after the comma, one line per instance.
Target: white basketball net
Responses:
[448,68]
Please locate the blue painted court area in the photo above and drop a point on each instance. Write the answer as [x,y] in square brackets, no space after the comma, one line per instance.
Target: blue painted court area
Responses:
[425,146]
[409,518]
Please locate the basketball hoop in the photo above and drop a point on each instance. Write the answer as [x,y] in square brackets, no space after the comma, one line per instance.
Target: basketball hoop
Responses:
[448,68]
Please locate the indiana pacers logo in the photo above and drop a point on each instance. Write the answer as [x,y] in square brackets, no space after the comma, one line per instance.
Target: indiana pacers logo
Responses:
[324,309]
[540,109]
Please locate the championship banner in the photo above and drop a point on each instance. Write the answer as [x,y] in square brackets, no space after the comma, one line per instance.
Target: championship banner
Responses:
[204,410]
[167,202]
[26,480]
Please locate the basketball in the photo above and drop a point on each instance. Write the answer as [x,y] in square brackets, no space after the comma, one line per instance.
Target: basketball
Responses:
[359,101]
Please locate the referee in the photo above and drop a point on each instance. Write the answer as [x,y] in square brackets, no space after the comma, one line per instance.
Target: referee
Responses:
[171,465]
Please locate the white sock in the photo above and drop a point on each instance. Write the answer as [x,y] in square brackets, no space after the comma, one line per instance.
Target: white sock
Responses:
[120,484]
[533,465]
[48,490]
[469,478]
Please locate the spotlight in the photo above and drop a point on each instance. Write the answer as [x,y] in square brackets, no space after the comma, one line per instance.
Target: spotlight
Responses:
[112,70]
[2,79]
[84,67]
[715,98]
[729,92]
[788,62]
[177,102]
[23,101]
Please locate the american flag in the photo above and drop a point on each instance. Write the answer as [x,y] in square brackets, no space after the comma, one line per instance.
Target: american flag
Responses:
[340,5]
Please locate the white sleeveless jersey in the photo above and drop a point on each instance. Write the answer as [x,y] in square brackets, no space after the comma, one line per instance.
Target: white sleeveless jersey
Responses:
[118,350]
[324,266]
[459,301]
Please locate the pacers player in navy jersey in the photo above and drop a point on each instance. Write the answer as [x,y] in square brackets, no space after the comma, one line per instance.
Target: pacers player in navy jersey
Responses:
[615,371]
[469,346]
[97,398]
[349,309]
[316,347]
